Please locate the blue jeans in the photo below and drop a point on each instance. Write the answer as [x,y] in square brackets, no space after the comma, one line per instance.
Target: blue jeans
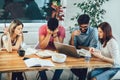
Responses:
[56,76]
[103,73]
[0,75]
[17,76]
[81,73]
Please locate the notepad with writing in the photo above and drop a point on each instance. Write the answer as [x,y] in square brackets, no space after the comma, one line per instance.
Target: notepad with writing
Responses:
[33,62]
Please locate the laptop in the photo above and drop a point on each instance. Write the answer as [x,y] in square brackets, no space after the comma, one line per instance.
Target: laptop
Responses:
[71,50]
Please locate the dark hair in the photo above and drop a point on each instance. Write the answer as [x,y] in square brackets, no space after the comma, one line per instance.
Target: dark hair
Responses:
[107,32]
[52,24]
[83,19]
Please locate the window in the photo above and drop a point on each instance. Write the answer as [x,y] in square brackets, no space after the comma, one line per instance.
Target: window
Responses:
[25,10]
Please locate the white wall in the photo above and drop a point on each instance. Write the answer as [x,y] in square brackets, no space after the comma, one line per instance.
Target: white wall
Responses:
[71,10]
[31,38]
[112,15]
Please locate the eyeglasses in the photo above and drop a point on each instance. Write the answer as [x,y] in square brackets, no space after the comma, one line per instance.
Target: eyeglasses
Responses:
[83,27]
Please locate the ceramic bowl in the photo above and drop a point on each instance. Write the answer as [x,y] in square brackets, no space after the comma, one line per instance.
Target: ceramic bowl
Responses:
[59,58]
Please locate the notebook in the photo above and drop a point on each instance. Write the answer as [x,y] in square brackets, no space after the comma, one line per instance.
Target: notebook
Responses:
[71,50]
[36,62]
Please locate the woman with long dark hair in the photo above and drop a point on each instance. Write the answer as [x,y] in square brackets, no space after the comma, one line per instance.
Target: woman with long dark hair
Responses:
[109,52]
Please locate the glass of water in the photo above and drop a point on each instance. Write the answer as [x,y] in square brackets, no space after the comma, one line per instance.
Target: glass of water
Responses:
[87,58]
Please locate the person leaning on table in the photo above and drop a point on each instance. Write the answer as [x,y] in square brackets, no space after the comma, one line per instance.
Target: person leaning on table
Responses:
[12,40]
[83,36]
[48,34]
[109,52]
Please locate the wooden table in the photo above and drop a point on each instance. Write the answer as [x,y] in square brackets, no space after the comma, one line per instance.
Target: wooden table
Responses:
[11,62]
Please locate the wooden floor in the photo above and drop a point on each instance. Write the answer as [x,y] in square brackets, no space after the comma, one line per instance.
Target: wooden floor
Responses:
[31,75]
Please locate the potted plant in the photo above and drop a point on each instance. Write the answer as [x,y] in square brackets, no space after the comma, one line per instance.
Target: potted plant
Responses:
[93,8]
[54,9]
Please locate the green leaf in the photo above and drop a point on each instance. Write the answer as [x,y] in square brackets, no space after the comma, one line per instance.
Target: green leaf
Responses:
[93,9]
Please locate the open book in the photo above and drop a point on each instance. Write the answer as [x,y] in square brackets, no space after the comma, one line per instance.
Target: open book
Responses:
[35,62]
[84,52]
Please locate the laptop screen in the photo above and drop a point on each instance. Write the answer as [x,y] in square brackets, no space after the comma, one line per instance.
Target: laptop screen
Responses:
[66,49]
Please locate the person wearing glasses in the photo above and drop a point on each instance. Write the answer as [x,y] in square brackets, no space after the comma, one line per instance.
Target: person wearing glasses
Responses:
[83,36]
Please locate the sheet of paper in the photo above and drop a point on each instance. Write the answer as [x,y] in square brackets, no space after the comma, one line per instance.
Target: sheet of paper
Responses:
[46,63]
[45,53]
[30,51]
[83,52]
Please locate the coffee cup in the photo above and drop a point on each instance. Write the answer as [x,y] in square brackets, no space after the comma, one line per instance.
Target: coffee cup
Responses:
[21,52]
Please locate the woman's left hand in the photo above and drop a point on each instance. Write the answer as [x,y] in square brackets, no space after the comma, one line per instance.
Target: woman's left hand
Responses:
[5,30]
[97,54]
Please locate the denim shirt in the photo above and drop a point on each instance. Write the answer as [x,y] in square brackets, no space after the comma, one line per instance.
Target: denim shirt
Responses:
[88,39]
